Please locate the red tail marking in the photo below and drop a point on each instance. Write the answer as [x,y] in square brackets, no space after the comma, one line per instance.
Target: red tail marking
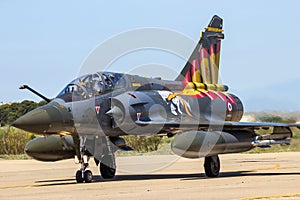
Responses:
[203,53]
[211,95]
[221,96]
[218,47]
[231,99]
[212,49]
[187,78]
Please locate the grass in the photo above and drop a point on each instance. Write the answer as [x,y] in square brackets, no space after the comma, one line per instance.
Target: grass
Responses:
[13,140]
[15,157]
[164,149]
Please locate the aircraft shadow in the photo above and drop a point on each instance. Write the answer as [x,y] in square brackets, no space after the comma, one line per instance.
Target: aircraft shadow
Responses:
[140,177]
[183,177]
[54,180]
[190,176]
[251,173]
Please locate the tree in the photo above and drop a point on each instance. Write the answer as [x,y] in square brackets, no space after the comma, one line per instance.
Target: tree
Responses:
[276,119]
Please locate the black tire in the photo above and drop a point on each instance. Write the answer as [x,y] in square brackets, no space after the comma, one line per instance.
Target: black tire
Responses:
[212,166]
[107,167]
[79,178]
[88,176]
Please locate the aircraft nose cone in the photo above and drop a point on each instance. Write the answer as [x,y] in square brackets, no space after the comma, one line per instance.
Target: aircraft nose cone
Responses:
[36,121]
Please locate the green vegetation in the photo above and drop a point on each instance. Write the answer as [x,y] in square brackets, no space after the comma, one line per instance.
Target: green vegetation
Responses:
[276,119]
[13,141]
[143,144]
[14,157]
[163,148]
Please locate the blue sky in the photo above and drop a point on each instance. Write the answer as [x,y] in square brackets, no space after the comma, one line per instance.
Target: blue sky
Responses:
[44,43]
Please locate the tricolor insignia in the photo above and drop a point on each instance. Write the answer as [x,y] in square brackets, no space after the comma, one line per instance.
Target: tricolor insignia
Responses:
[97,108]
[138,116]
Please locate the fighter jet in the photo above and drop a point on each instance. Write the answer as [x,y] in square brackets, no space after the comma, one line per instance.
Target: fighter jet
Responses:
[91,114]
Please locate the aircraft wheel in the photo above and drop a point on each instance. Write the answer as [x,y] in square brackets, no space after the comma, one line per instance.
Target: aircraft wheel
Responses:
[212,166]
[107,168]
[79,178]
[88,176]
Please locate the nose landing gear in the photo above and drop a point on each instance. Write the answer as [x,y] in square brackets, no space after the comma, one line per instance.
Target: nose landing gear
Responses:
[84,175]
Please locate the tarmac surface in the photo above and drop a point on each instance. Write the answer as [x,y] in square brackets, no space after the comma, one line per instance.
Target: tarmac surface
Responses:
[249,176]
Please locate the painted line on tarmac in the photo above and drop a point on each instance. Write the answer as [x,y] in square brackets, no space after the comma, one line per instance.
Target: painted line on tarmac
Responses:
[276,166]
[56,183]
[272,197]
[17,186]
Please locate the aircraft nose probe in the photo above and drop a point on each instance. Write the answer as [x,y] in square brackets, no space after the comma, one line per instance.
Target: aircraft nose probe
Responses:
[22,87]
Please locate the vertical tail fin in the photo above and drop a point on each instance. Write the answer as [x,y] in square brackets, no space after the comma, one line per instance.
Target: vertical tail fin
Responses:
[203,64]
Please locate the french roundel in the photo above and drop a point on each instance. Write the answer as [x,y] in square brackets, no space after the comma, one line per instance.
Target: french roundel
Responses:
[229,106]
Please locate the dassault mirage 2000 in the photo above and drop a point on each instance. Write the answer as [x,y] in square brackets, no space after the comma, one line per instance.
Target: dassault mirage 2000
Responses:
[92,113]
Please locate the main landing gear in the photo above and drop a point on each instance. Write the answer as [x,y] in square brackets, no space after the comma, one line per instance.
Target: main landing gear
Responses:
[108,166]
[212,166]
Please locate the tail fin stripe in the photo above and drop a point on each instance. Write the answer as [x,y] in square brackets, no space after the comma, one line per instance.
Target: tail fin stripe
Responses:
[204,65]
[212,61]
[195,71]
[187,78]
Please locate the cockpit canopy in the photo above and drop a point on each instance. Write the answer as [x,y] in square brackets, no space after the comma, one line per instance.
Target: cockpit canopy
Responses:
[91,85]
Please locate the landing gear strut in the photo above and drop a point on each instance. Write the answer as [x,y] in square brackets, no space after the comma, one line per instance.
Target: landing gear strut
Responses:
[212,166]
